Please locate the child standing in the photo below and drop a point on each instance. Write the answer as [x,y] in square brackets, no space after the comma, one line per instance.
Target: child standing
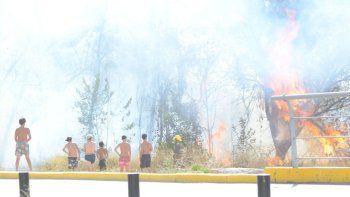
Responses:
[102,155]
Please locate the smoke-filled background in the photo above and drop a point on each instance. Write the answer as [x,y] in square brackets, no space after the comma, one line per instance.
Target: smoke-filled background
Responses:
[173,67]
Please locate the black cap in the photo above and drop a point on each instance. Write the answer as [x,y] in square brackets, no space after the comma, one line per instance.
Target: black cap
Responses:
[69,139]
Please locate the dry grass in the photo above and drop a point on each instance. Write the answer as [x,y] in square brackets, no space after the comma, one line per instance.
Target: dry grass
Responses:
[192,159]
[253,158]
[162,162]
[60,164]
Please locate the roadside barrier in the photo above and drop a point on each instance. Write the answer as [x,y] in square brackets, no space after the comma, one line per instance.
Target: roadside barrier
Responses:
[264,185]
[262,180]
[24,184]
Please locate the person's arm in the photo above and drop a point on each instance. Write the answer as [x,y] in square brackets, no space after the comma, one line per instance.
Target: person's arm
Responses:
[16,136]
[65,149]
[129,150]
[29,135]
[151,147]
[84,148]
[98,154]
[78,150]
[106,151]
[116,149]
[140,151]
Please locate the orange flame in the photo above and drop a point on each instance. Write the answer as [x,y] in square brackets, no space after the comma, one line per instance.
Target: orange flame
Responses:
[286,80]
[222,154]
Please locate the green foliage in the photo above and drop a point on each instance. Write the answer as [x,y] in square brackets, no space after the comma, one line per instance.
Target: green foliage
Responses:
[92,105]
[199,168]
[126,114]
[175,115]
[163,161]
[244,136]
[246,152]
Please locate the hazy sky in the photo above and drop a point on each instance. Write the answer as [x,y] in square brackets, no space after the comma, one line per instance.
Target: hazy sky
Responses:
[44,46]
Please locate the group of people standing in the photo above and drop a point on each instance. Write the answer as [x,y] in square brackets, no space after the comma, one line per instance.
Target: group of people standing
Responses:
[123,150]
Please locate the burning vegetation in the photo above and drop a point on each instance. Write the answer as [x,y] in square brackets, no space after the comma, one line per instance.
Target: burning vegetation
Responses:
[286,79]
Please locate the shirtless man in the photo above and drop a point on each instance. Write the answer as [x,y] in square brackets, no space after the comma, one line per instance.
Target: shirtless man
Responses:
[124,155]
[90,150]
[73,152]
[22,137]
[102,155]
[145,154]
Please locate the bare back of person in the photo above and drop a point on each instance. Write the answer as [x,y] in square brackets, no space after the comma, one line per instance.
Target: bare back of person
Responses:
[102,153]
[145,148]
[90,148]
[22,134]
[125,149]
[72,149]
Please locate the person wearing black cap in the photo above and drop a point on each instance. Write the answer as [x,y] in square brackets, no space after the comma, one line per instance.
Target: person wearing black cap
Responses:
[73,152]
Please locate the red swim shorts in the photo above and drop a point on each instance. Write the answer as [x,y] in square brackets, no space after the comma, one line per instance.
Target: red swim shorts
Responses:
[124,161]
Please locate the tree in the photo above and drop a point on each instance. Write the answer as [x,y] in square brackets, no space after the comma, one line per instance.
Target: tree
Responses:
[92,105]
[174,115]
[244,138]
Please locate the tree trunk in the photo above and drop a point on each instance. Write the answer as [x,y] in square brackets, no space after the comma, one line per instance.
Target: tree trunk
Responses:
[278,127]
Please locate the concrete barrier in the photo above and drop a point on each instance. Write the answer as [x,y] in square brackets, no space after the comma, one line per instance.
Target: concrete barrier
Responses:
[278,175]
[147,177]
[309,175]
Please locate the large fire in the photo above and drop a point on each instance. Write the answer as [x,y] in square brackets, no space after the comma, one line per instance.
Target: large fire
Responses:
[287,80]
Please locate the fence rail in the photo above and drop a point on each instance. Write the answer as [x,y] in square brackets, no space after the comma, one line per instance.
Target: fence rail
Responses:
[293,118]
[262,180]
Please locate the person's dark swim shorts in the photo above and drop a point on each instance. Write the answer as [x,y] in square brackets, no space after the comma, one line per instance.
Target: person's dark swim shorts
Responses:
[72,162]
[145,161]
[90,158]
[102,164]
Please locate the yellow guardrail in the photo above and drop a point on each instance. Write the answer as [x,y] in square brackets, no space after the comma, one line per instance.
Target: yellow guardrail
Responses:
[185,177]
[277,175]
[309,175]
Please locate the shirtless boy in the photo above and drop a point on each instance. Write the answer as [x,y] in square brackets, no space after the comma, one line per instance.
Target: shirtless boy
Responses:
[124,155]
[22,137]
[90,150]
[145,154]
[73,152]
[102,155]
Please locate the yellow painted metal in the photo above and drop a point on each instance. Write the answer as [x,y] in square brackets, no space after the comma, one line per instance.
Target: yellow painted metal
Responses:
[309,175]
[278,175]
[148,177]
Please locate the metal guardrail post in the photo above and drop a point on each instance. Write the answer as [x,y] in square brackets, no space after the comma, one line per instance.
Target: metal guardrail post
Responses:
[24,184]
[293,135]
[134,185]
[263,185]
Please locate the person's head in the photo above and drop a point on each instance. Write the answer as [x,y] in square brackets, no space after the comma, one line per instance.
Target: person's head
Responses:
[144,136]
[22,121]
[89,137]
[124,138]
[101,144]
[69,139]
